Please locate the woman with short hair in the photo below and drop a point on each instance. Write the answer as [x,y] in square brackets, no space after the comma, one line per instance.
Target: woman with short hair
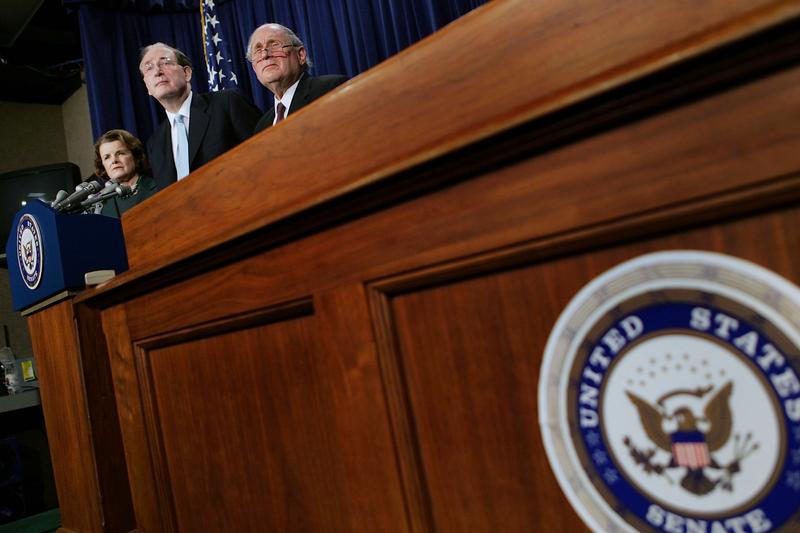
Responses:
[120,156]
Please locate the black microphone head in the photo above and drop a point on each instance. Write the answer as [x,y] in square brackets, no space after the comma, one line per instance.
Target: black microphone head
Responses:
[73,201]
[110,190]
[94,183]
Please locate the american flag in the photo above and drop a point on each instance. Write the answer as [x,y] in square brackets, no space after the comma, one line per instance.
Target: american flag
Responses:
[218,56]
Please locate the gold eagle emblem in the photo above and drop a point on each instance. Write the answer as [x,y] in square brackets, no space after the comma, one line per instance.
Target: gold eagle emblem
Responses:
[693,440]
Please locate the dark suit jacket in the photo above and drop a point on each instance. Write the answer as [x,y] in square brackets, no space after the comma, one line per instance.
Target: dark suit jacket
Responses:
[309,89]
[217,122]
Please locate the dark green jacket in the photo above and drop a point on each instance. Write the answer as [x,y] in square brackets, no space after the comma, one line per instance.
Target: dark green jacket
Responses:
[114,207]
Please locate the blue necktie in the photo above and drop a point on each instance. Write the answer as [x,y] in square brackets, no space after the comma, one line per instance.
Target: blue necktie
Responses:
[182,154]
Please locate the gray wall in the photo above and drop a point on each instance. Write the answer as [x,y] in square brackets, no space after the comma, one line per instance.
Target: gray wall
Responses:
[78,131]
[32,135]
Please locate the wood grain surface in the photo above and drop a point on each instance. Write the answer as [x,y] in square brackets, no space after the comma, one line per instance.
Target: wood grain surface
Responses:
[470,348]
[286,429]
[731,153]
[69,431]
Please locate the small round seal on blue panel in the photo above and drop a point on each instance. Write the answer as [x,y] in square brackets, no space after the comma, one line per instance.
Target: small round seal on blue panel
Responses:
[29,251]
[670,397]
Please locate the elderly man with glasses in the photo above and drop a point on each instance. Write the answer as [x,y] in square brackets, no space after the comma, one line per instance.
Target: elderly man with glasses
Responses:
[281,64]
[199,127]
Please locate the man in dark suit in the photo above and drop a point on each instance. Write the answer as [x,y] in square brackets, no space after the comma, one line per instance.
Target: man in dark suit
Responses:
[280,62]
[199,127]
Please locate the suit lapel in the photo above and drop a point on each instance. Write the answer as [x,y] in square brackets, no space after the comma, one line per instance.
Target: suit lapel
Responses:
[198,125]
[163,146]
[269,116]
[301,95]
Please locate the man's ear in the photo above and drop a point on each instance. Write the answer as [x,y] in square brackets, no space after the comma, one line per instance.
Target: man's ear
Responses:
[187,71]
[301,52]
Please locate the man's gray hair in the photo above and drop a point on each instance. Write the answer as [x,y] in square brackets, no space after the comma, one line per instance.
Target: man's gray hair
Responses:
[179,56]
[294,40]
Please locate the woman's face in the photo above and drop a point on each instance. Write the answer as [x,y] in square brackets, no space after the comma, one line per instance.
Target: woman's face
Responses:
[118,161]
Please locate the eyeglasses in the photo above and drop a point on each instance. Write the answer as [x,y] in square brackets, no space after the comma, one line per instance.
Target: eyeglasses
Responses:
[269,50]
[162,62]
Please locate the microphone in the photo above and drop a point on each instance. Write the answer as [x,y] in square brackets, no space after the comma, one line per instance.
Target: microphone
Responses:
[59,197]
[124,190]
[111,190]
[108,187]
[82,191]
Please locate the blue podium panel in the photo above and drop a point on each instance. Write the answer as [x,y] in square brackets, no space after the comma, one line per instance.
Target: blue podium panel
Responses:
[49,252]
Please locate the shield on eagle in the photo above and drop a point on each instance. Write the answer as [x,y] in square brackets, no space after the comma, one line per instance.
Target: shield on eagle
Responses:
[689,449]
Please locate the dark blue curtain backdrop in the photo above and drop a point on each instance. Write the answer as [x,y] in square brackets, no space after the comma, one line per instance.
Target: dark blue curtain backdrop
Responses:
[341,36]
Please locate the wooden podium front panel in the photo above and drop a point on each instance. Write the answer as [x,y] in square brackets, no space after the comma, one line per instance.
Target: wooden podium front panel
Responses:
[372,364]
[469,348]
[256,424]
[380,374]
[69,431]
[470,353]
[81,419]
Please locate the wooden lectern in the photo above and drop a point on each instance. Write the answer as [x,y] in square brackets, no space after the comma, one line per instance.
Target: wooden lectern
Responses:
[339,325]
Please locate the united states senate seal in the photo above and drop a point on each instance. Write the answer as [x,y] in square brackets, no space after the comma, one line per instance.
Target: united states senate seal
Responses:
[669,397]
[29,251]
